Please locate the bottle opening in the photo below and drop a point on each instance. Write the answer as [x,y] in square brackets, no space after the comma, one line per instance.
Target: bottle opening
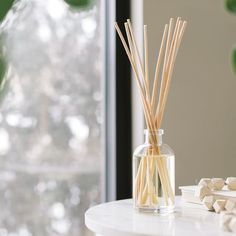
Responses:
[154,132]
[153,137]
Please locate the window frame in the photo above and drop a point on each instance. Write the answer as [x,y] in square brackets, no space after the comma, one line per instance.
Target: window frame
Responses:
[118,125]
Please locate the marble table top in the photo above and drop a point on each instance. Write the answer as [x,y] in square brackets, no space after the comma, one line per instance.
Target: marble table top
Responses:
[119,219]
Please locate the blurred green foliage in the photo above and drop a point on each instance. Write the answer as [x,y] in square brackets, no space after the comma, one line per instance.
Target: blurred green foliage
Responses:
[234,59]
[5,6]
[2,69]
[78,3]
[231,6]
[3,82]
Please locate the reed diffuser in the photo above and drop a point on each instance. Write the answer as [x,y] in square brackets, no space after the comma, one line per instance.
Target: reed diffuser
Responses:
[153,162]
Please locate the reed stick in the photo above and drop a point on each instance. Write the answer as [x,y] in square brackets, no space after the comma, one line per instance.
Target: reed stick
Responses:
[146,69]
[157,71]
[136,47]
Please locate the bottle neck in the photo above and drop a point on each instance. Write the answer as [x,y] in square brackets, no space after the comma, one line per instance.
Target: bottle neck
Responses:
[153,137]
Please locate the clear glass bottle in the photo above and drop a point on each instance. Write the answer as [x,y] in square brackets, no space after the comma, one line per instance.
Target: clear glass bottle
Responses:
[154,175]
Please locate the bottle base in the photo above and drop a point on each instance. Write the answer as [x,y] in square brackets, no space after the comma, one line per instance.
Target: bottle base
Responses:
[156,210]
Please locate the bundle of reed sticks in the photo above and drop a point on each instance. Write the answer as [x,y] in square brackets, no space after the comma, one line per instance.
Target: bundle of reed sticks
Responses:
[153,97]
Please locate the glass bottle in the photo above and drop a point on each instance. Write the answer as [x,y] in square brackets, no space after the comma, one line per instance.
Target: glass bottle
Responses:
[154,175]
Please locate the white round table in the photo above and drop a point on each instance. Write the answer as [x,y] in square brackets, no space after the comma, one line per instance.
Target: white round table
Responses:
[119,219]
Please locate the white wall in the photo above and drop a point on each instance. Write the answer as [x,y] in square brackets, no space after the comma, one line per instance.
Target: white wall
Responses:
[137,117]
[200,118]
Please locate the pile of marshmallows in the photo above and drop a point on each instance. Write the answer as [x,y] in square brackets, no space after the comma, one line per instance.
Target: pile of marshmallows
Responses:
[227,207]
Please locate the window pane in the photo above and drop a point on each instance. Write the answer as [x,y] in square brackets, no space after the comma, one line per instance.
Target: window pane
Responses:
[51,120]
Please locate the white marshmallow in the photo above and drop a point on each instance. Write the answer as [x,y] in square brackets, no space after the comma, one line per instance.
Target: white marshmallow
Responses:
[218,183]
[202,191]
[230,205]
[205,182]
[219,205]
[231,183]
[208,202]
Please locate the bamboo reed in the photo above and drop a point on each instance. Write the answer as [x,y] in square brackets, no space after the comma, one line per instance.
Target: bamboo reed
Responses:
[144,189]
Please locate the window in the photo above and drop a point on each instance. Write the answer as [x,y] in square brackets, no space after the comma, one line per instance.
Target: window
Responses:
[52,117]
